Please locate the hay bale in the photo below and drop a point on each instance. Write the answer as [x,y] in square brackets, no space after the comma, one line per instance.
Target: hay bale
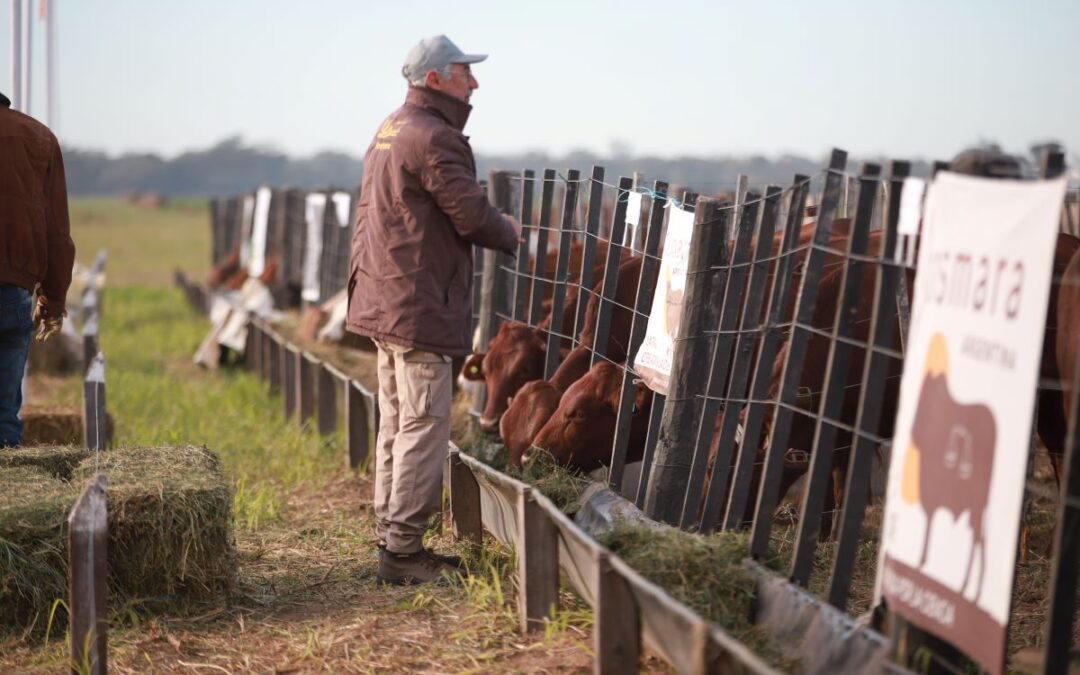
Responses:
[170,528]
[57,425]
[56,461]
[33,546]
[170,521]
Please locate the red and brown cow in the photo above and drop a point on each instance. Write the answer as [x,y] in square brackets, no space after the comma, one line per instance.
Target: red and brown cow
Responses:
[517,353]
[581,430]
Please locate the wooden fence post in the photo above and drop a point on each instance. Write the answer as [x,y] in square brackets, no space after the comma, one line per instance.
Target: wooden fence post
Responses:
[537,562]
[464,501]
[95,426]
[274,365]
[617,633]
[289,367]
[307,366]
[87,542]
[361,418]
[700,313]
[327,401]
[251,347]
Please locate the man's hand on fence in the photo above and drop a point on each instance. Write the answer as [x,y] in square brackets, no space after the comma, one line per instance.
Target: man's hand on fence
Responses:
[517,227]
[45,325]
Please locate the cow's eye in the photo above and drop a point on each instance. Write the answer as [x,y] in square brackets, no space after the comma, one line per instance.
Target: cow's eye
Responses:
[578,415]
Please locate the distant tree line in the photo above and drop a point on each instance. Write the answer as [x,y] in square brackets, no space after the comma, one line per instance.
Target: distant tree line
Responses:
[232,167]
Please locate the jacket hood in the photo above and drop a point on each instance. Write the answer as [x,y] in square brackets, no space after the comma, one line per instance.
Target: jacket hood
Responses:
[455,112]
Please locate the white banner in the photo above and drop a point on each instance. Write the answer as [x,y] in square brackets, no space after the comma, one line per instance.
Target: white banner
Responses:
[314,212]
[963,427]
[342,203]
[653,360]
[259,227]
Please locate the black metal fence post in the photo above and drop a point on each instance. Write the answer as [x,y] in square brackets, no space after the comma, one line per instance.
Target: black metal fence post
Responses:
[841,354]
[650,269]
[521,279]
[771,335]
[616,233]
[875,369]
[793,365]
[562,273]
[543,232]
[732,357]
[588,254]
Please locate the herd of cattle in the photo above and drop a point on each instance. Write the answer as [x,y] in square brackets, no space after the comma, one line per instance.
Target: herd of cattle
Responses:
[572,415]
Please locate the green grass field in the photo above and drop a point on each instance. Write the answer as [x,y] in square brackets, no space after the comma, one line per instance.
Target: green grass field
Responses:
[144,245]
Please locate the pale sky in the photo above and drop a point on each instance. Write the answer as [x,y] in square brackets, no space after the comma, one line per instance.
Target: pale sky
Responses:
[900,79]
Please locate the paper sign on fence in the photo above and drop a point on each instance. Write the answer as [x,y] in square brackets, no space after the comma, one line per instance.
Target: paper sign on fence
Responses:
[314,213]
[259,229]
[911,206]
[653,360]
[960,450]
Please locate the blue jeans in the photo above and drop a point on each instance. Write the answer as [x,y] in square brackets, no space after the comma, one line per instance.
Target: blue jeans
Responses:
[15,327]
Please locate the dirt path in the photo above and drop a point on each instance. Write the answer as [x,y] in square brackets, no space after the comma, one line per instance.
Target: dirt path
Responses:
[307,602]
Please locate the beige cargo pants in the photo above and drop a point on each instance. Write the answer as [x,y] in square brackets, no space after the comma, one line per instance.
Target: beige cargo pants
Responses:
[414,434]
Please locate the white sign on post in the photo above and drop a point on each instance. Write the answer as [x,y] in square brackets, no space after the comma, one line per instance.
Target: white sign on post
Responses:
[314,213]
[259,228]
[960,450]
[633,217]
[653,360]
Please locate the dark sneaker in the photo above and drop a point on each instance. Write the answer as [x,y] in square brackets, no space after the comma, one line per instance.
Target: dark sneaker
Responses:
[406,569]
[451,560]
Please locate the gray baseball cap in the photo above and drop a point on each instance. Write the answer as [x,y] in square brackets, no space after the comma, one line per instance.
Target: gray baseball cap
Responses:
[435,53]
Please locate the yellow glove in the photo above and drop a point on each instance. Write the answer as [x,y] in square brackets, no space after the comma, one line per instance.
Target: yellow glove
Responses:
[45,326]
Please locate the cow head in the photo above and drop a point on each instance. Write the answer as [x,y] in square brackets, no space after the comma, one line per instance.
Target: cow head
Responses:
[580,433]
[529,411]
[514,356]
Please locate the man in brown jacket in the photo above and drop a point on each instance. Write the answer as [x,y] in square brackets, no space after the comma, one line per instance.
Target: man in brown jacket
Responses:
[420,211]
[35,248]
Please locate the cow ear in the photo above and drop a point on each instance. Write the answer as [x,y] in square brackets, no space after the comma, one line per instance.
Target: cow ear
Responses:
[473,369]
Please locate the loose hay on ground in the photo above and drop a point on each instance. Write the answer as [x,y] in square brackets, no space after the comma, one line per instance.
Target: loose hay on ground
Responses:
[170,528]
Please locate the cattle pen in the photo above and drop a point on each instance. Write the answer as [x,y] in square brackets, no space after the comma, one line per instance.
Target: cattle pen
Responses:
[784,376]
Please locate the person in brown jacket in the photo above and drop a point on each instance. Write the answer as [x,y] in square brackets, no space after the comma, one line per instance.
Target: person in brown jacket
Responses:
[420,212]
[35,249]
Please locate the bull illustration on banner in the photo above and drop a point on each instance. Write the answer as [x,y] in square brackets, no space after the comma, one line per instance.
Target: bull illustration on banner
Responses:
[950,458]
